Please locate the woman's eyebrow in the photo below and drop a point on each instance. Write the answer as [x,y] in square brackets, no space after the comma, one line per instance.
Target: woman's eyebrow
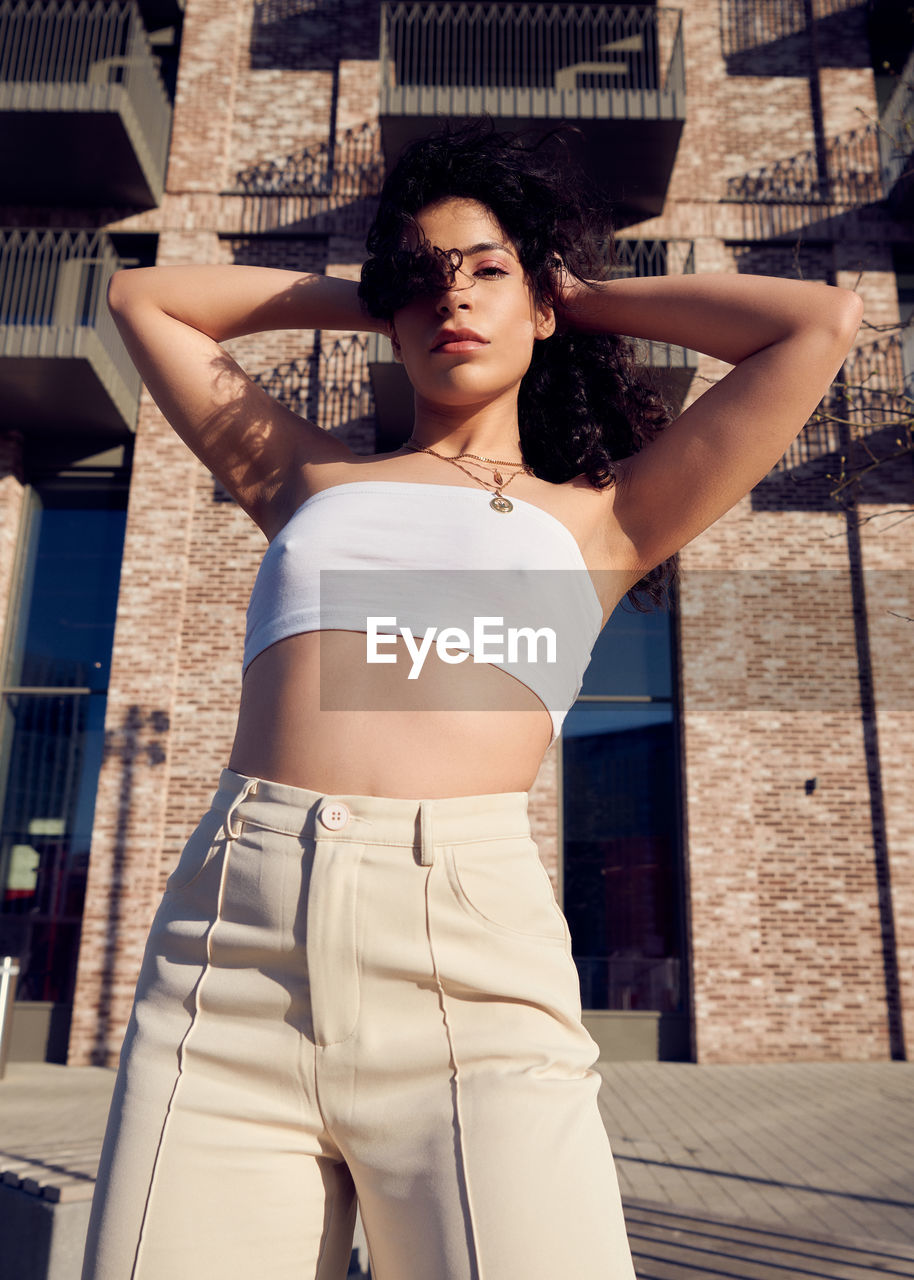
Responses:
[485,245]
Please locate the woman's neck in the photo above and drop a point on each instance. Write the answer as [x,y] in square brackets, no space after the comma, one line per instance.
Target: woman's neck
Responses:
[490,430]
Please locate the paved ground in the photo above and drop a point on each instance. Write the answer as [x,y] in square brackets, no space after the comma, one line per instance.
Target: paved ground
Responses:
[786,1172]
[765,1172]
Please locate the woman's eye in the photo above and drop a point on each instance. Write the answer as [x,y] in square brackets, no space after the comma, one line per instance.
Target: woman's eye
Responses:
[493,271]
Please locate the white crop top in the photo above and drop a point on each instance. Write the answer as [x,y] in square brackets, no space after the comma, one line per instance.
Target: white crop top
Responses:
[448,560]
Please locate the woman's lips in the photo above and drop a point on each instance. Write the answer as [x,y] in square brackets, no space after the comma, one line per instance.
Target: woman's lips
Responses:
[459,346]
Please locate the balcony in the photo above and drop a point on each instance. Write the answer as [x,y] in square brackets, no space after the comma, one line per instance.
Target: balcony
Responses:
[617,72]
[757,35]
[845,170]
[872,396]
[63,366]
[672,368]
[896,143]
[84,116]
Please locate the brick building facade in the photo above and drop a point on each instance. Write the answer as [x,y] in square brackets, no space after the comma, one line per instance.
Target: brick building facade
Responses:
[789,813]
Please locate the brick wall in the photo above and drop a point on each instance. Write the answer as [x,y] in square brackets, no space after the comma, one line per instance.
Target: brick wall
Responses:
[795,899]
[886,567]
[785,921]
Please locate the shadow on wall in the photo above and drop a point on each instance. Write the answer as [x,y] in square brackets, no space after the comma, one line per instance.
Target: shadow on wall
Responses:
[329,187]
[859,443]
[297,35]
[772,37]
[312,35]
[287,252]
[852,174]
[330,386]
[138,742]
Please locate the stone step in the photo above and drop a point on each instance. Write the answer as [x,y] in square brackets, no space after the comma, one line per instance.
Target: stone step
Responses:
[60,1173]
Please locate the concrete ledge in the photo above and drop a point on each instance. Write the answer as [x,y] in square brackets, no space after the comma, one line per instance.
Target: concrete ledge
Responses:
[639,1036]
[43,1239]
[40,1031]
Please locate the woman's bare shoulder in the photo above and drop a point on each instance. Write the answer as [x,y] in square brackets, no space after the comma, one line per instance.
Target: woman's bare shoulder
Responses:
[580,504]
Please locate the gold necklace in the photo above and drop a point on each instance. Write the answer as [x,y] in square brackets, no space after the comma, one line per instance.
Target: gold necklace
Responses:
[497,477]
[478,456]
[498,503]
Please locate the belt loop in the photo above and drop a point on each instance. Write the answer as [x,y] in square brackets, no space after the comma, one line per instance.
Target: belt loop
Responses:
[249,789]
[426,834]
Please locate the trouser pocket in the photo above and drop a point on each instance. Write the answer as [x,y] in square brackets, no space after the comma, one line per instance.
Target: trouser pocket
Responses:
[202,845]
[505,888]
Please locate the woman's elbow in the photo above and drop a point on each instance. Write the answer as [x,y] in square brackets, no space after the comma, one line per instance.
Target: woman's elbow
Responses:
[125,286]
[118,290]
[845,314]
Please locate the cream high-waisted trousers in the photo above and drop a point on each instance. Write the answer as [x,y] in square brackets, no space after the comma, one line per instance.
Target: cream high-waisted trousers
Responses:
[357,997]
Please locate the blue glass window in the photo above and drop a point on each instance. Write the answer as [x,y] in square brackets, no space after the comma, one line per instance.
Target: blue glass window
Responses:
[622,881]
[52,727]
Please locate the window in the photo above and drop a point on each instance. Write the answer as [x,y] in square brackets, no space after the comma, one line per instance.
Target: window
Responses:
[52,712]
[622,880]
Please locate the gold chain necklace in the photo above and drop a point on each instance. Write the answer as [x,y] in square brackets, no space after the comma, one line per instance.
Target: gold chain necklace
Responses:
[498,503]
[521,466]
[478,456]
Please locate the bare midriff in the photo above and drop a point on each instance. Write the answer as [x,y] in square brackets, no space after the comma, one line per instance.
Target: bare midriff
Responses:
[314,714]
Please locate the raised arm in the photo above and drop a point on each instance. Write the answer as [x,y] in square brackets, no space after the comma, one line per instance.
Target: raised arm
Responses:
[786,338]
[172,320]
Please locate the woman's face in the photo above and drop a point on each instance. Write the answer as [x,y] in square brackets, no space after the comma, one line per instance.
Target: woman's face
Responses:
[488,314]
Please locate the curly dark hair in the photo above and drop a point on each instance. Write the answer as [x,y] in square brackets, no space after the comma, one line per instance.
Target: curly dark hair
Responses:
[589,384]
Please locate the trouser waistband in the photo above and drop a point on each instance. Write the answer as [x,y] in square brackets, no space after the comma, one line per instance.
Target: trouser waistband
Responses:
[416,824]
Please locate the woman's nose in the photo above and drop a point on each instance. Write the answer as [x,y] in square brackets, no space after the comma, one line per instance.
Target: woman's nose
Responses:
[455,298]
[448,305]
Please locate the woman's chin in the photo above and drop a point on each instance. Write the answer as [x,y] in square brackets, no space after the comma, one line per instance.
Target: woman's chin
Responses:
[462,392]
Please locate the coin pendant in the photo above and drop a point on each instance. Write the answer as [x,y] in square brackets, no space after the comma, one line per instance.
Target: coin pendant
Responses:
[499,503]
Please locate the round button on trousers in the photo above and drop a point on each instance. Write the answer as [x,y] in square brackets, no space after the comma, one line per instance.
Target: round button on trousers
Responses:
[357,998]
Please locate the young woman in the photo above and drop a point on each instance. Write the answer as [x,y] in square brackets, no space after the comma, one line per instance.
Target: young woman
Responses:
[358,984]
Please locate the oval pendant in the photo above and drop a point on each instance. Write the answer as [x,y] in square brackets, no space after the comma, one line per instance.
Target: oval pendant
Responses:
[499,503]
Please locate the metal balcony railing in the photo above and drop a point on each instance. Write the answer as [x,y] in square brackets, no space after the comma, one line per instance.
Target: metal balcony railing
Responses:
[350,167]
[896,139]
[658,258]
[653,258]
[751,24]
[874,392]
[53,287]
[330,386]
[59,56]
[876,383]
[852,175]
[539,58]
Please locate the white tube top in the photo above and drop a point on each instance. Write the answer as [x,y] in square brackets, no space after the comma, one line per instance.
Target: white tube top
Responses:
[432,557]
